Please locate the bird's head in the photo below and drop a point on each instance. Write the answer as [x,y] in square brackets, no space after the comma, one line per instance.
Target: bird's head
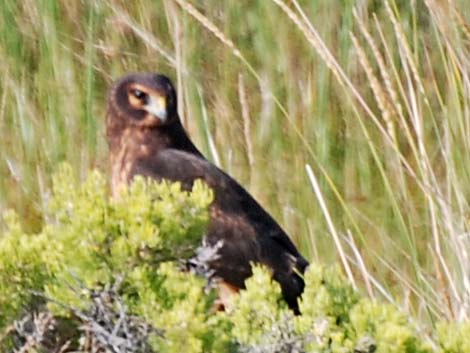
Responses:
[143,100]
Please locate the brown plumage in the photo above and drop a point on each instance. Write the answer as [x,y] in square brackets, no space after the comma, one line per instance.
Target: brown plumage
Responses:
[146,138]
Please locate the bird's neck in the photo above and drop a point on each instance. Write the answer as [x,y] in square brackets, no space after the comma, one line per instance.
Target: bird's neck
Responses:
[132,143]
[178,139]
[150,140]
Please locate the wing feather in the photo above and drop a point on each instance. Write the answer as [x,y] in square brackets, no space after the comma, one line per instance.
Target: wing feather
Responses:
[230,196]
[248,232]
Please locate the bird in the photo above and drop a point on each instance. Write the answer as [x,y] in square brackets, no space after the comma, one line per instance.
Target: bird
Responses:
[146,137]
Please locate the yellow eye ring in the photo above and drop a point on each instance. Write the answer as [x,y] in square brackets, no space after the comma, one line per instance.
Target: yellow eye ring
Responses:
[137,93]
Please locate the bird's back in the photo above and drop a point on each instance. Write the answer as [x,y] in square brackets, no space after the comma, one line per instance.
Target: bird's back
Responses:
[248,233]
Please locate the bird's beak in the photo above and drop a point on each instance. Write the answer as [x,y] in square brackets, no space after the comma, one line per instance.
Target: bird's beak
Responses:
[157,107]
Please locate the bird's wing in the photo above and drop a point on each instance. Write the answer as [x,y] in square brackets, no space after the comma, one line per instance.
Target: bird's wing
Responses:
[249,233]
[230,197]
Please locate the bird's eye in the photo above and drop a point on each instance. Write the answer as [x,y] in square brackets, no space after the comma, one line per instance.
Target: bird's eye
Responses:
[137,93]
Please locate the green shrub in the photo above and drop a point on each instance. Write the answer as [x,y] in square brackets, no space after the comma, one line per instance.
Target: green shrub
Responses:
[454,337]
[106,274]
[91,241]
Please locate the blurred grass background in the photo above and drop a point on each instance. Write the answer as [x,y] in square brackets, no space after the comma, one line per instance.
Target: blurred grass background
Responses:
[348,120]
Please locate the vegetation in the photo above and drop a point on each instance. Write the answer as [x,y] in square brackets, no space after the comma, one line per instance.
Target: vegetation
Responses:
[106,275]
[347,120]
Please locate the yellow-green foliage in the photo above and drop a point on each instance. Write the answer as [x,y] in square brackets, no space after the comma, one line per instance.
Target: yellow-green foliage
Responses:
[175,302]
[389,328]
[94,238]
[454,337]
[257,308]
[90,242]
[326,304]
[333,318]
[21,267]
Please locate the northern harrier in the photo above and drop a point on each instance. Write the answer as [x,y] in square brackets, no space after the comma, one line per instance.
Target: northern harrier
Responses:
[146,138]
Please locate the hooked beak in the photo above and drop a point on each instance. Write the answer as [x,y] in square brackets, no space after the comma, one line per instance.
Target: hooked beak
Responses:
[157,107]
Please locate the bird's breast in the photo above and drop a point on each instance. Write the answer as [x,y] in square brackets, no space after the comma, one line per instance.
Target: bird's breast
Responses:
[121,166]
[132,147]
